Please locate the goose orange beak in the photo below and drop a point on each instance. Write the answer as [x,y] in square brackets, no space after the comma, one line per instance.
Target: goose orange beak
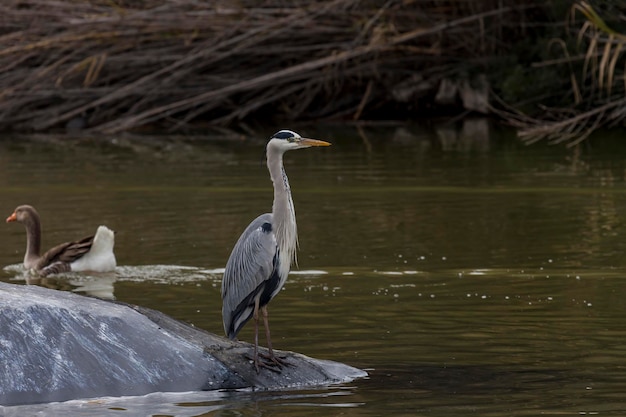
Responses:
[12,218]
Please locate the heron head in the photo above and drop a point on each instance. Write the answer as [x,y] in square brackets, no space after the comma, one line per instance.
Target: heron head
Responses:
[286,140]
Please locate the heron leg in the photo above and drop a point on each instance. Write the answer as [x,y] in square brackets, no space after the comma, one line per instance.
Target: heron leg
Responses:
[270,361]
[266,324]
[255,316]
[275,360]
[266,362]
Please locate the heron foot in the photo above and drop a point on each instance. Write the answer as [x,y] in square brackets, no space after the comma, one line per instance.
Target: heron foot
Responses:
[276,361]
[270,362]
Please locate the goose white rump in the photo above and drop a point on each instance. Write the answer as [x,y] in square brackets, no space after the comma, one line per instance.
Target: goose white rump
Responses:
[100,257]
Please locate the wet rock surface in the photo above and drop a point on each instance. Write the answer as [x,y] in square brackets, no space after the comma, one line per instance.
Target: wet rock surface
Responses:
[57,346]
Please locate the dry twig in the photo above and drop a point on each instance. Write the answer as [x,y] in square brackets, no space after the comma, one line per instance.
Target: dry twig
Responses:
[118,68]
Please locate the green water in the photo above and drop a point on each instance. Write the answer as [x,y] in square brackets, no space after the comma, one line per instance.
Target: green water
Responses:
[468,273]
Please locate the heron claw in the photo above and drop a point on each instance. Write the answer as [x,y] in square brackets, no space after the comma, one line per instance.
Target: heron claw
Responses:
[270,362]
[276,361]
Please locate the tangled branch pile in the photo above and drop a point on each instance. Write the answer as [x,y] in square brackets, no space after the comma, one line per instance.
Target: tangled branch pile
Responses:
[593,72]
[116,65]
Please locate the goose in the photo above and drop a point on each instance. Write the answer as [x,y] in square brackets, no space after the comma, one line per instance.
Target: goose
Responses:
[93,253]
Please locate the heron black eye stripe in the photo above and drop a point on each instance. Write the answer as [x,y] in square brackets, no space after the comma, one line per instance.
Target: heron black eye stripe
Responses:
[286,134]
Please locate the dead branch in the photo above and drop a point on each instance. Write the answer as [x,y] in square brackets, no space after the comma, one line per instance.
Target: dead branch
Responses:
[121,67]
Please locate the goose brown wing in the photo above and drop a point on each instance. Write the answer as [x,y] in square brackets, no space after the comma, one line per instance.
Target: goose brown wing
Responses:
[66,252]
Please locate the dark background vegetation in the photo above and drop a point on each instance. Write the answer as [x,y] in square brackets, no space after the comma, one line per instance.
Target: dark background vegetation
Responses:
[552,68]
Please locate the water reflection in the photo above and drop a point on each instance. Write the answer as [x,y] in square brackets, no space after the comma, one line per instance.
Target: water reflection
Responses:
[191,404]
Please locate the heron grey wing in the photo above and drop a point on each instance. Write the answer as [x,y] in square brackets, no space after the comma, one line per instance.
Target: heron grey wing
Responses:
[251,263]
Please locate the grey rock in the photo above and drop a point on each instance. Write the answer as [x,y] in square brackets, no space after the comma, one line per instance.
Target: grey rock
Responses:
[57,346]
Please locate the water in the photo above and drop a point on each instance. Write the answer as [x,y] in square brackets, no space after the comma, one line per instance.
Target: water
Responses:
[467,274]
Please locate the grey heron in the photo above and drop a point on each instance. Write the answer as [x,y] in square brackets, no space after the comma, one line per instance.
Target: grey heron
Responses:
[260,261]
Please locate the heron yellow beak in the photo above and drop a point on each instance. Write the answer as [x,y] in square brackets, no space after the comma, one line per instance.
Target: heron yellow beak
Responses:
[313,142]
[12,218]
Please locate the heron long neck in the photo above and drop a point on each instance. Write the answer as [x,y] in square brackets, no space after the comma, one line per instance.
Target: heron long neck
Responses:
[33,242]
[283,212]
